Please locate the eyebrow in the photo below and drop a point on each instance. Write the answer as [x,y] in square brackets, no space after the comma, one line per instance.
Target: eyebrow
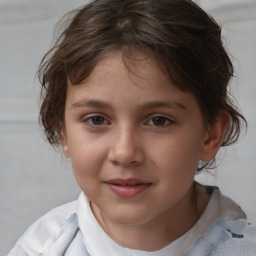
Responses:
[163,104]
[147,105]
[91,103]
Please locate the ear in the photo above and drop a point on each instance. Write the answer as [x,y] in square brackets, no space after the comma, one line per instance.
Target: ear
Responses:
[64,144]
[215,137]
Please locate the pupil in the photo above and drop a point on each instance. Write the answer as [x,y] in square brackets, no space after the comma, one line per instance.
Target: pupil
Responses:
[97,120]
[159,121]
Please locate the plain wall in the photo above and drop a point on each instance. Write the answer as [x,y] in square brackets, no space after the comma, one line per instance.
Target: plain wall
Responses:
[34,178]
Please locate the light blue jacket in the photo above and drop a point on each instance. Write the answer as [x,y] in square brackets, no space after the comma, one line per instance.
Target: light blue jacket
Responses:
[225,238]
[222,230]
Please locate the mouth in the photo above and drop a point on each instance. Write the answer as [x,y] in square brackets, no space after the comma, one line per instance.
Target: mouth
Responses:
[128,182]
[127,188]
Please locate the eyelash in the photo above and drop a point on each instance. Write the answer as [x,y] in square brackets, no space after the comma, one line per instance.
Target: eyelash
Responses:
[89,120]
[164,121]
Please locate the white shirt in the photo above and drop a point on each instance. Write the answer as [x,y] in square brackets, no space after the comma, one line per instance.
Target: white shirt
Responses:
[98,243]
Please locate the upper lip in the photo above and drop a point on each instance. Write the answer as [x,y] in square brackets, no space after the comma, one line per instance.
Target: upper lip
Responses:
[128,182]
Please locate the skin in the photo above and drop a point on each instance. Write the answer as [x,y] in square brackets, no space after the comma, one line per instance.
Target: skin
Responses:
[135,124]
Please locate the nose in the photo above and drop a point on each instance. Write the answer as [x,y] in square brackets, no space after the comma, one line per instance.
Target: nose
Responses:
[126,148]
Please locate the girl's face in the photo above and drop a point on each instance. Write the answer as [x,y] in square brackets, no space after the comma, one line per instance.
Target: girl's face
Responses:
[134,140]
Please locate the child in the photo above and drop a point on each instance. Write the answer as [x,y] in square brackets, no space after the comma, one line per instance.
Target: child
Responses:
[135,93]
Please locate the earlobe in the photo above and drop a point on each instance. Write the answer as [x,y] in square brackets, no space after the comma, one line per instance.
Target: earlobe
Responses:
[215,137]
[64,144]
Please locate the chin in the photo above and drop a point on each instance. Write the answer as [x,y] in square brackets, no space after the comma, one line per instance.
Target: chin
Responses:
[130,218]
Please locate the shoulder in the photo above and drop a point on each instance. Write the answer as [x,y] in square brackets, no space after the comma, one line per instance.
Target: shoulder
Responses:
[227,237]
[223,229]
[33,240]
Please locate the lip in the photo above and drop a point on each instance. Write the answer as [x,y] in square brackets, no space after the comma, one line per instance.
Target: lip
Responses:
[127,188]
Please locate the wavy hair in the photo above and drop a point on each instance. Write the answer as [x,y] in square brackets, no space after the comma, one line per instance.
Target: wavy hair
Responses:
[184,39]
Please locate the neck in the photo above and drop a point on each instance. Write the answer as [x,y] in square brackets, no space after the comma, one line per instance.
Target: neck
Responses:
[155,234]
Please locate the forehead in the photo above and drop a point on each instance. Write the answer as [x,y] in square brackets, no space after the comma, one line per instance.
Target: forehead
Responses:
[137,63]
[137,80]
[140,67]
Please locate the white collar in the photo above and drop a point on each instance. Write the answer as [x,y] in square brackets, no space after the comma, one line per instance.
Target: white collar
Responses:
[98,243]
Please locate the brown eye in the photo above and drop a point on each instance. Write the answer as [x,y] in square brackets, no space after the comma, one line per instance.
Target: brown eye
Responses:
[159,121]
[95,121]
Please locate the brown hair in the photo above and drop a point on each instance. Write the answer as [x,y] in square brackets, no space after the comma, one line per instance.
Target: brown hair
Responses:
[181,36]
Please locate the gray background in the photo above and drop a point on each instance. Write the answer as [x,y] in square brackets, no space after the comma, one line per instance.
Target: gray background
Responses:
[34,178]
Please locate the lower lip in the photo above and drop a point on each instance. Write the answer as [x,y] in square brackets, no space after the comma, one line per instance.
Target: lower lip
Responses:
[128,191]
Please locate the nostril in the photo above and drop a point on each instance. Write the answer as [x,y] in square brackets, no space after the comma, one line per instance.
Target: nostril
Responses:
[124,164]
[126,158]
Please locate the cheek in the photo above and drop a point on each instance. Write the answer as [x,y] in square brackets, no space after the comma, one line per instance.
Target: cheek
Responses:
[176,162]
[87,158]
[179,154]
